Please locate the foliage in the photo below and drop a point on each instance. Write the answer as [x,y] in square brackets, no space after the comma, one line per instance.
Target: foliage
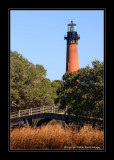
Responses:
[29,87]
[56,84]
[82,92]
[53,122]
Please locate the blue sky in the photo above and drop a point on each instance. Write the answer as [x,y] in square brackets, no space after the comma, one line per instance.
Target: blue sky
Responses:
[39,36]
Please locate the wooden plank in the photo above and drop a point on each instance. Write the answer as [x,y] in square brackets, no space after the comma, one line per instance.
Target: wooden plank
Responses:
[35,112]
[24,110]
[36,109]
[24,113]
[14,116]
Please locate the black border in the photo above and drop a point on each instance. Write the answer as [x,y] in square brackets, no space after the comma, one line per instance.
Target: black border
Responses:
[70,9]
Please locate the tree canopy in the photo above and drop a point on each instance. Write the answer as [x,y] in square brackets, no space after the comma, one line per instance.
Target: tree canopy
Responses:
[29,85]
[82,91]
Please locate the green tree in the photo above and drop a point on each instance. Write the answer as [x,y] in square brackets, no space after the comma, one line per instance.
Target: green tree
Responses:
[41,69]
[29,87]
[82,92]
[56,85]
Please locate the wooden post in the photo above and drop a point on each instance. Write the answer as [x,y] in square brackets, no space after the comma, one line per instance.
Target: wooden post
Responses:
[31,110]
[66,110]
[53,109]
[19,113]
[42,109]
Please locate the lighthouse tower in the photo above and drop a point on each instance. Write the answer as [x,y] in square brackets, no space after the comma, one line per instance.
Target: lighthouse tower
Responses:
[72,62]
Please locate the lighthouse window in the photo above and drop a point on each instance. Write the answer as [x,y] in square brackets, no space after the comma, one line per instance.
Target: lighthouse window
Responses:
[72,28]
[68,28]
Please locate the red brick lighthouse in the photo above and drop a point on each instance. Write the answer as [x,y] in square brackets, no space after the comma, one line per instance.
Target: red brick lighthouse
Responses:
[72,62]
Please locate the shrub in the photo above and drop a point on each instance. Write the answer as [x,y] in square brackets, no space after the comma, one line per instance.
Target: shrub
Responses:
[53,122]
[55,137]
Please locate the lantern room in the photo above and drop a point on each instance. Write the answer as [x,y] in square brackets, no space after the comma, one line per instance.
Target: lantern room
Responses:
[71,27]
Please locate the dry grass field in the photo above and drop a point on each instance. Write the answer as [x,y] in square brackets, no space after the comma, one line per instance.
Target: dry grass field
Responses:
[56,137]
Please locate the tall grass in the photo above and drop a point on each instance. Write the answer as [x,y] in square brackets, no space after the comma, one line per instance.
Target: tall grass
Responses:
[56,137]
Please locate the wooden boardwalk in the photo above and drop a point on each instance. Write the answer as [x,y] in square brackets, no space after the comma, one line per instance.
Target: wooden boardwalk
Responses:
[36,110]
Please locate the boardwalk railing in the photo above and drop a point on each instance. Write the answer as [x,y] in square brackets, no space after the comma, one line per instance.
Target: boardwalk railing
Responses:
[36,110]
